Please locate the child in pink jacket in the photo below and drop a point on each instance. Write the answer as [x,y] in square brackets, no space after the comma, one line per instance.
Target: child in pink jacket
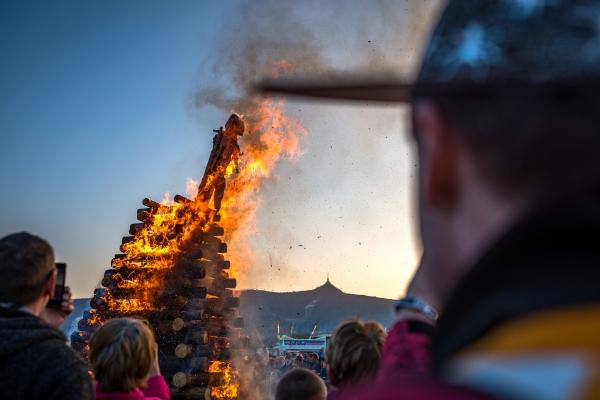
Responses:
[124,357]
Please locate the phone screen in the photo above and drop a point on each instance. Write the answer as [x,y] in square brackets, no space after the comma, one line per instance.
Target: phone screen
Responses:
[59,289]
[60,275]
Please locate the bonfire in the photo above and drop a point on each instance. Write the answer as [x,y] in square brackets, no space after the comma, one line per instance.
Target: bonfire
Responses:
[173,271]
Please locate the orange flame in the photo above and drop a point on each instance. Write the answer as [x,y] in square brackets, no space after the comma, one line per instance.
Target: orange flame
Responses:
[272,135]
[229,388]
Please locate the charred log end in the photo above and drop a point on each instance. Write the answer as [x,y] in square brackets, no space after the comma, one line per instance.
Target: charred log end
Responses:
[222,248]
[127,239]
[135,228]
[229,283]
[181,199]
[183,350]
[194,253]
[216,230]
[150,203]
[178,324]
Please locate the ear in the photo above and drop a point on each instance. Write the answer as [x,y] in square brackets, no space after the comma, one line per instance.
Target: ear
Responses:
[50,284]
[437,156]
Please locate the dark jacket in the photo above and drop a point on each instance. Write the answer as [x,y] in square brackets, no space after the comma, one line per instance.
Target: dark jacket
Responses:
[525,318]
[37,363]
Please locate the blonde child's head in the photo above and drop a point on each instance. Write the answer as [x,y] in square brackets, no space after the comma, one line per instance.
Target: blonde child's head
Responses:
[121,353]
[354,352]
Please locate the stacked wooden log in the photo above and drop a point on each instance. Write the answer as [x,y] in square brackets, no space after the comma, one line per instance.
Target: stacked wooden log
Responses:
[186,295]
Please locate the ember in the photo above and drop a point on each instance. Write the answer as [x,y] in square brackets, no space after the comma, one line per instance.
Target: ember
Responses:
[172,269]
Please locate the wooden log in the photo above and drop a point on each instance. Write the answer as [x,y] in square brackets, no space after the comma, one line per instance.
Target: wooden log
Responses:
[216,326]
[192,253]
[170,364]
[186,301]
[185,350]
[122,293]
[117,260]
[216,262]
[221,303]
[135,228]
[190,269]
[124,241]
[113,276]
[127,239]
[190,282]
[144,214]
[150,203]
[191,393]
[227,283]
[188,293]
[84,325]
[185,313]
[191,337]
[181,199]
[98,301]
[210,243]
[188,277]
[215,230]
[80,337]
[179,329]
[183,379]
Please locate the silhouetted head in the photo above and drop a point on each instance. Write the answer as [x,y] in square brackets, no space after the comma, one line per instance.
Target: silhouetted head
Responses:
[301,384]
[27,271]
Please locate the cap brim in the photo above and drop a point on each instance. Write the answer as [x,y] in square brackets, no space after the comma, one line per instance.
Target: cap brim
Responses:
[359,89]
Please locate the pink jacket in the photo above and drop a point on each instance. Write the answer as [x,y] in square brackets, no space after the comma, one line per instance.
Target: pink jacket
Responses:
[156,389]
[406,352]
[405,370]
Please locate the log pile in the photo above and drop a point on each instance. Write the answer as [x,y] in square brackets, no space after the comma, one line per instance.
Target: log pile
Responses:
[172,271]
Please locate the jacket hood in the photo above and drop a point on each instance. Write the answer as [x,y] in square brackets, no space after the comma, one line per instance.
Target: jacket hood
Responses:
[548,259]
[19,330]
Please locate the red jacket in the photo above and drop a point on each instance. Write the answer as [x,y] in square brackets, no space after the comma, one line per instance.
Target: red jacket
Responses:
[406,352]
[156,389]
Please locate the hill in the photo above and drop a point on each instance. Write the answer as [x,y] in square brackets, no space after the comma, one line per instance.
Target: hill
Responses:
[297,313]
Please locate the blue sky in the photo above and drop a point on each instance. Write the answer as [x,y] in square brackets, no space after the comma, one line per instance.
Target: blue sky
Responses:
[96,112]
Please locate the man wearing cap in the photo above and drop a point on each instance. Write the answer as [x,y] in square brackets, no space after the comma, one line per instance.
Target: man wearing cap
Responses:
[506,118]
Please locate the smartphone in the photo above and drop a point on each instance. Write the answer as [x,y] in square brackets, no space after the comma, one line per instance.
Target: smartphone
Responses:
[59,289]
